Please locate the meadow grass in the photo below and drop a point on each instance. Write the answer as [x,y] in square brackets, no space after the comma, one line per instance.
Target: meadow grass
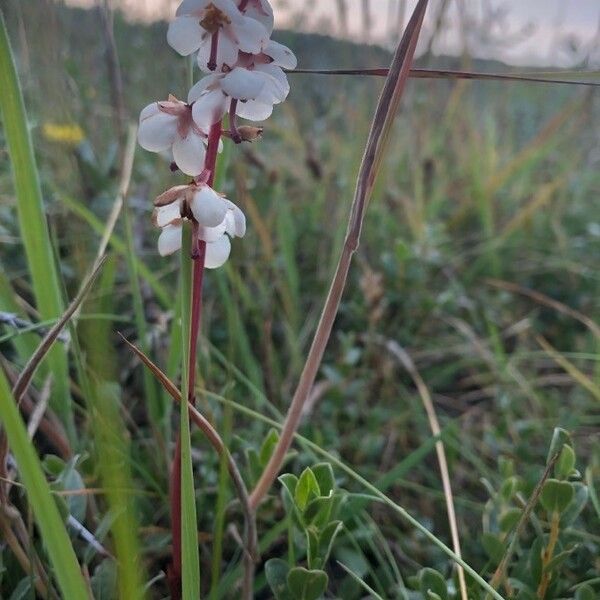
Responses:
[477,259]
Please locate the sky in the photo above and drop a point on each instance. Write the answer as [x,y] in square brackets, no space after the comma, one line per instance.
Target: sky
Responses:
[522,32]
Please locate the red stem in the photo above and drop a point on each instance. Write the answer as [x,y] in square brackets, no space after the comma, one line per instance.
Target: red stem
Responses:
[214,46]
[198,253]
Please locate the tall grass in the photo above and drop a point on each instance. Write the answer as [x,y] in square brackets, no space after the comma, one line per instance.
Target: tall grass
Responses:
[32,221]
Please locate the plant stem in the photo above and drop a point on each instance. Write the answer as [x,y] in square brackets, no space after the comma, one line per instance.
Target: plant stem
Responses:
[548,555]
[198,253]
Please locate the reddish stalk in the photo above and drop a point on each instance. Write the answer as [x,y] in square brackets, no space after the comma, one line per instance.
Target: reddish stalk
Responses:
[198,255]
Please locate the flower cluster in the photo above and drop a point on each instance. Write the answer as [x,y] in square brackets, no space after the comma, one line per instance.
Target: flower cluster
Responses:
[244,78]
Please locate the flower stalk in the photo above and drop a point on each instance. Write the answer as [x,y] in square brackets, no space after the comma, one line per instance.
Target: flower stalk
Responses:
[244,78]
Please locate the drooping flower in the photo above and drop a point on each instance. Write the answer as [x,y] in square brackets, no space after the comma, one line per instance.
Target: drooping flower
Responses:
[256,81]
[170,125]
[197,20]
[217,217]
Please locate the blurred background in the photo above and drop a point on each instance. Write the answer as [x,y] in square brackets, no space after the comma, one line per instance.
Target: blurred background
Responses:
[479,257]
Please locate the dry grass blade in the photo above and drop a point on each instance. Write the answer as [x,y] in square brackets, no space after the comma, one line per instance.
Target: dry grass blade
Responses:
[581,378]
[406,361]
[28,372]
[251,549]
[376,144]
[452,74]
[124,182]
[547,301]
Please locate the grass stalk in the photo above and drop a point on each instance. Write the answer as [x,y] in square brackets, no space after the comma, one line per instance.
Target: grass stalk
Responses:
[376,144]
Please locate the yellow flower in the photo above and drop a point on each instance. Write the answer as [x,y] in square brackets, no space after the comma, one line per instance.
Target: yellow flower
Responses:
[63,133]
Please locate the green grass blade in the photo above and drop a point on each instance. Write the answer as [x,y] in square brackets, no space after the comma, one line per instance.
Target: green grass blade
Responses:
[190,558]
[32,221]
[49,521]
[360,582]
[113,452]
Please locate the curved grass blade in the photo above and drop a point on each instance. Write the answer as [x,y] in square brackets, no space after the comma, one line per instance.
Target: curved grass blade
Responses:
[543,77]
[381,128]
[51,526]
[32,221]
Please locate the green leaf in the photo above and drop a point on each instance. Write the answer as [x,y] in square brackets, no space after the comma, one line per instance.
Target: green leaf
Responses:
[253,461]
[306,488]
[268,445]
[509,519]
[318,511]
[585,592]
[582,495]
[535,561]
[560,437]
[558,560]
[50,524]
[276,571]
[432,581]
[23,590]
[493,546]
[509,487]
[556,495]
[305,584]
[565,463]
[289,482]
[32,223]
[312,548]
[327,539]
[324,475]
[104,581]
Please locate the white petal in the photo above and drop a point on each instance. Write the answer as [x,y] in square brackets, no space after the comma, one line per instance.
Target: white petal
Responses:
[203,86]
[211,234]
[229,7]
[282,56]
[169,240]
[209,108]
[192,7]
[208,208]
[227,52]
[217,252]
[276,86]
[185,35]
[165,215]
[189,153]
[157,129]
[254,110]
[250,35]
[235,221]
[261,11]
[243,84]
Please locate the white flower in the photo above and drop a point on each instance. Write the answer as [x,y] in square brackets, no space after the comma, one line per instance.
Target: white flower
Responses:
[170,125]
[217,218]
[260,10]
[197,20]
[257,81]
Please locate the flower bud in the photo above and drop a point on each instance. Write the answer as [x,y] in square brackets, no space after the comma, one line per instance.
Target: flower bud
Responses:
[249,133]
